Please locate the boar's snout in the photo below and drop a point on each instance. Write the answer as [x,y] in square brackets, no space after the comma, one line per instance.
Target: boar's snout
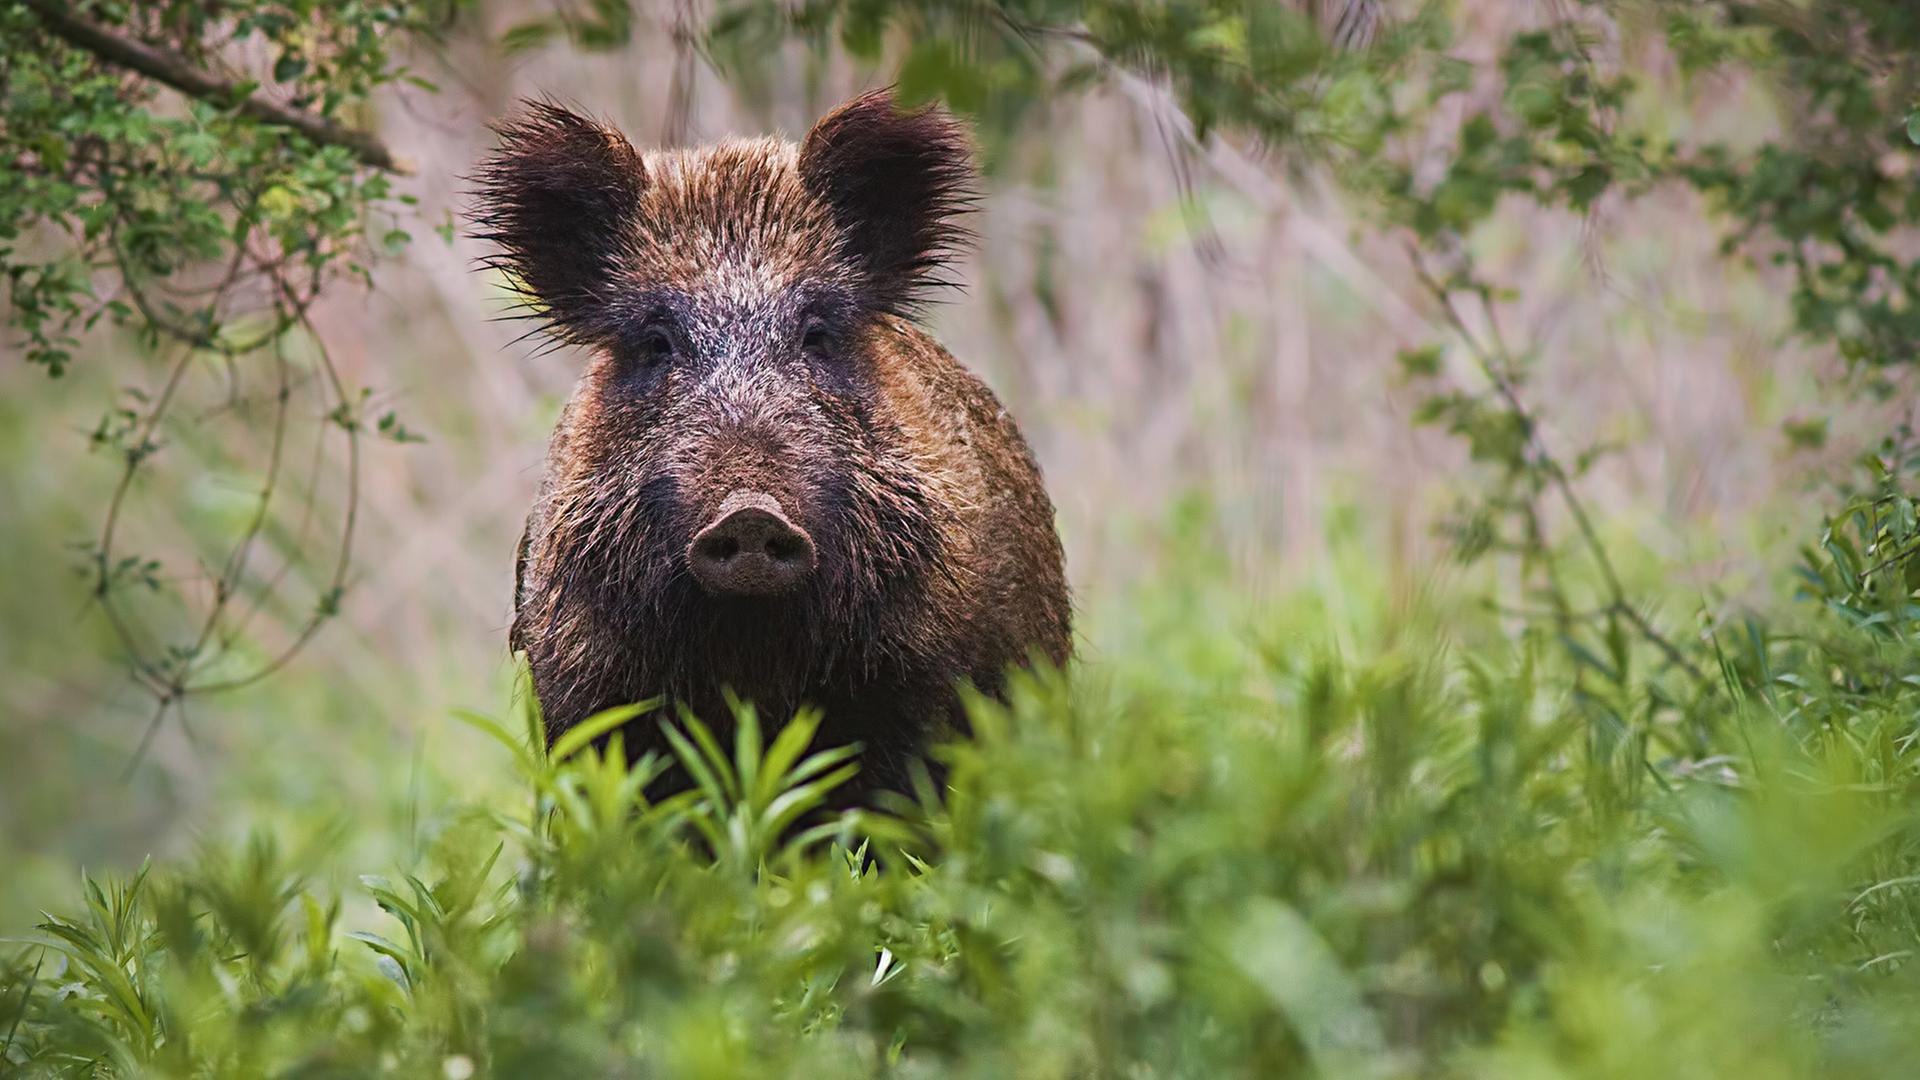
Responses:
[751,548]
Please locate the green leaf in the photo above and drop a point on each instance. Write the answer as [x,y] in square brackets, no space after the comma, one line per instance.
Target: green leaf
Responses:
[1422,363]
[586,731]
[494,731]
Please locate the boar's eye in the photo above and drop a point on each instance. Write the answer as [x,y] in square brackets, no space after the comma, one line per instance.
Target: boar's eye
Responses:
[815,336]
[651,346]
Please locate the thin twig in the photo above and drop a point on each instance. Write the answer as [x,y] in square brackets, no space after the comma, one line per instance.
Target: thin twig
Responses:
[136,454]
[229,579]
[172,683]
[1495,362]
[345,559]
[166,686]
[146,737]
[302,532]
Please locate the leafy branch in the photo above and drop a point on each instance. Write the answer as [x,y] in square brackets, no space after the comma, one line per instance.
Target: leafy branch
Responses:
[175,71]
[207,234]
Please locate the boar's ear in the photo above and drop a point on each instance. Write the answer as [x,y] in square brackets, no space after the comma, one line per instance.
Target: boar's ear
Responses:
[558,200]
[897,183]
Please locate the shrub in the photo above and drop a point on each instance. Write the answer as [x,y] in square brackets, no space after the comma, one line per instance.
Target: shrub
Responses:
[1230,851]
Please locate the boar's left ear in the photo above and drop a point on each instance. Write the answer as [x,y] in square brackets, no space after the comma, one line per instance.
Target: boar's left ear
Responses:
[557,200]
[897,183]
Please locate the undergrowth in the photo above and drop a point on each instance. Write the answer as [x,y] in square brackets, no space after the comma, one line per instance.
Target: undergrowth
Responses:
[1232,847]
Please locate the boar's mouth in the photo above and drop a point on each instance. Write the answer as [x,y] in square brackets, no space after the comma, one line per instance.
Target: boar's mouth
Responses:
[751,548]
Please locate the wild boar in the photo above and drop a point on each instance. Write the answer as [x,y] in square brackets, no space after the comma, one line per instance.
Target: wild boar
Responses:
[768,479]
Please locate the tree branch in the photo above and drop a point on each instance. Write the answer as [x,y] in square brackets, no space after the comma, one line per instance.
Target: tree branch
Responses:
[174,70]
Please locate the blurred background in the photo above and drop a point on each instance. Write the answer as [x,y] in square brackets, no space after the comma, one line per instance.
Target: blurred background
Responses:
[1199,343]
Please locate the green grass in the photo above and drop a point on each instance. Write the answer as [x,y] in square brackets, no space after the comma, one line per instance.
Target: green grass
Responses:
[1329,835]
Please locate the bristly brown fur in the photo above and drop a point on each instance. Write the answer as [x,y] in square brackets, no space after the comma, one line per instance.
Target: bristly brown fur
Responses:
[743,305]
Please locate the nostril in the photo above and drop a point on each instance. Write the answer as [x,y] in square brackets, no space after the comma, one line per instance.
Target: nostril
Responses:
[752,549]
[716,546]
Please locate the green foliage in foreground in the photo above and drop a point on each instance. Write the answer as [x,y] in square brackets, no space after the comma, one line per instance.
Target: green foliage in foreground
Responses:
[1226,850]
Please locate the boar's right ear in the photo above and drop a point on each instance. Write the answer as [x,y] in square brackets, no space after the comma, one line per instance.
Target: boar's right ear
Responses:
[897,183]
[558,200]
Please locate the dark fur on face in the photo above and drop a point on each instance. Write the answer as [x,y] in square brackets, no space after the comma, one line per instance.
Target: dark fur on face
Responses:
[744,307]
